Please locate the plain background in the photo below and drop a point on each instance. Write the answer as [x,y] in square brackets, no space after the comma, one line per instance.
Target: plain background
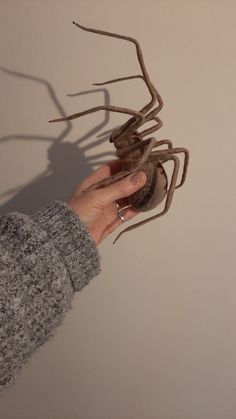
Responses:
[153,336]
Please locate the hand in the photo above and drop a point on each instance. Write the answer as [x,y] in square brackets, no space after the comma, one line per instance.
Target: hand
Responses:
[97,208]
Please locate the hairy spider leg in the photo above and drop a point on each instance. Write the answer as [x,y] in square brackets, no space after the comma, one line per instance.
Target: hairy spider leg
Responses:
[151,88]
[122,129]
[124,152]
[137,76]
[148,117]
[111,179]
[186,163]
[155,96]
[176,150]
[132,125]
[110,108]
[147,151]
[169,197]
[152,129]
[150,143]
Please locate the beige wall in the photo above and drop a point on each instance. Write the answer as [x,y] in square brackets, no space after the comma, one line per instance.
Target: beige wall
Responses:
[154,336]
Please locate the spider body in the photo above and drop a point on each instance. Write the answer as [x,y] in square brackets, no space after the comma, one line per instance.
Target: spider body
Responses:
[137,153]
[154,190]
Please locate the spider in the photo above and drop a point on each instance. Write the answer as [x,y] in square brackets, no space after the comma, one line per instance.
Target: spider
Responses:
[137,153]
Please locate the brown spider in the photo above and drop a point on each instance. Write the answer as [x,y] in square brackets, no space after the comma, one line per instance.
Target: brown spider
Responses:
[135,152]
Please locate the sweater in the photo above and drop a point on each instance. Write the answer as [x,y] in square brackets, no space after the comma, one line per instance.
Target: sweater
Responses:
[44,259]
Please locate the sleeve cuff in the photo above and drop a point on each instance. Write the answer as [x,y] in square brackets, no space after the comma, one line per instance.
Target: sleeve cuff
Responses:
[72,239]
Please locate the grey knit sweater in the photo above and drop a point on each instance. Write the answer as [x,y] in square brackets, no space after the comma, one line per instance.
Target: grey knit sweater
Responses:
[44,259]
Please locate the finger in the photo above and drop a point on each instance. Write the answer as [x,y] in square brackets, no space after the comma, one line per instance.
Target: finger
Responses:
[121,189]
[128,214]
[106,170]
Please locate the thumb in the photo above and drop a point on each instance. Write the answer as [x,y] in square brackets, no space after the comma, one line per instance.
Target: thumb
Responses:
[123,188]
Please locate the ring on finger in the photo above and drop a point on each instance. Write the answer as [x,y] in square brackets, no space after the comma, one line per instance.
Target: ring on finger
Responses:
[121,216]
[121,212]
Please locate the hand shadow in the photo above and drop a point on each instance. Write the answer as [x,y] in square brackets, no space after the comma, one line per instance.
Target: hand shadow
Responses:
[67,164]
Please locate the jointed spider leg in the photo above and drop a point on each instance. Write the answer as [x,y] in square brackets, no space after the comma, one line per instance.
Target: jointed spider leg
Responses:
[149,144]
[111,179]
[177,150]
[110,108]
[128,123]
[130,126]
[186,163]
[137,76]
[152,129]
[124,152]
[169,197]
[146,154]
[131,120]
[109,131]
[149,116]
[152,90]
[162,142]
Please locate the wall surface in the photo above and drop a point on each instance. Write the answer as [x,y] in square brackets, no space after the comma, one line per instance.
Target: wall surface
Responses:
[154,336]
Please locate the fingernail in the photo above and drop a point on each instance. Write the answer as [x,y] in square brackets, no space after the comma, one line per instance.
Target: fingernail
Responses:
[138,178]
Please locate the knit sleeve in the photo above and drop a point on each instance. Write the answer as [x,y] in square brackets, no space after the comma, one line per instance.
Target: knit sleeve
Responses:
[44,259]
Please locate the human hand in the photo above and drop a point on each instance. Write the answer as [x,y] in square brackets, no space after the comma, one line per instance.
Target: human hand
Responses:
[97,208]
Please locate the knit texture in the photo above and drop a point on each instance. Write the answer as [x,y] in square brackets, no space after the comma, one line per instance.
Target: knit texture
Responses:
[44,259]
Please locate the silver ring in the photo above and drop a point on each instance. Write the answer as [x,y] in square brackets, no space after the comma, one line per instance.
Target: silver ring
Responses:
[120,215]
[120,212]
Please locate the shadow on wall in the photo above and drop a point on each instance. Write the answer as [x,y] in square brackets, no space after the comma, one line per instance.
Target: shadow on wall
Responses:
[67,164]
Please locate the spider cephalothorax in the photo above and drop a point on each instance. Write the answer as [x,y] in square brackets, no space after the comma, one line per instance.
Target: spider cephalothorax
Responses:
[137,153]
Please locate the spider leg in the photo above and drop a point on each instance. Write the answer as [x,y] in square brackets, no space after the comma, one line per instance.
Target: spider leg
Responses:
[139,116]
[130,125]
[152,90]
[153,128]
[186,163]
[138,76]
[177,150]
[168,201]
[124,152]
[149,143]
[150,116]
[125,126]
[109,131]
[162,142]
[111,179]
[131,120]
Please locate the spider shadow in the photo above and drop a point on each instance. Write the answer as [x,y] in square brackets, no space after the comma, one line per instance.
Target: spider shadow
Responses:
[67,164]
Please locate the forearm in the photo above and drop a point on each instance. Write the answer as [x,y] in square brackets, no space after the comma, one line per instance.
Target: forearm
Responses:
[44,259]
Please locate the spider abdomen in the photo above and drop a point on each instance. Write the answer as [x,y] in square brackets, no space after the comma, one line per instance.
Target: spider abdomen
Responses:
[154,190]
